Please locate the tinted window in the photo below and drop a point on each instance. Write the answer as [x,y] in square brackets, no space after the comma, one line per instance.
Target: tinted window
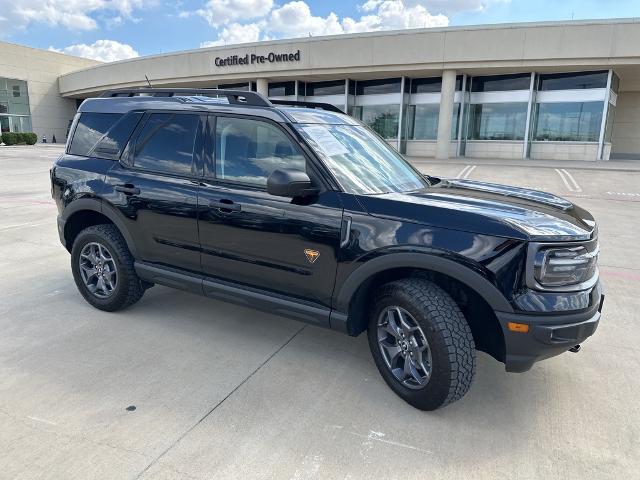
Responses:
[573,81]
[281,89]
[497,121]
[577,122]
[166,143]
[334,87]
[249,150]
[501,83]
[90,128]
[234,86]
[426,85]
[116,138]
[375,87]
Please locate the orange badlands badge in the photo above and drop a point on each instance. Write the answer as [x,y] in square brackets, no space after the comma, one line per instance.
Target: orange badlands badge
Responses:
[312,255]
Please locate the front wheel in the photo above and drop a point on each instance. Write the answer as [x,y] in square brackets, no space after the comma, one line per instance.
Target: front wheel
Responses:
[103,269]
[421,343]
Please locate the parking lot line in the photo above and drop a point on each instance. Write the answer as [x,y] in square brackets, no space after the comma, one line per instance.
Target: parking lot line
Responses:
[466,171]
[568,180]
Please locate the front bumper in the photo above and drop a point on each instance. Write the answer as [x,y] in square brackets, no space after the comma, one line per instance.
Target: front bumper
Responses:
[548,335]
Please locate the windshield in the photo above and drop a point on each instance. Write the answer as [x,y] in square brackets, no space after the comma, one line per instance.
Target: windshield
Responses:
[361,162]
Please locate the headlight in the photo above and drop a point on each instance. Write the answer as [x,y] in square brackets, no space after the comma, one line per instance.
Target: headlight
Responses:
[563,267]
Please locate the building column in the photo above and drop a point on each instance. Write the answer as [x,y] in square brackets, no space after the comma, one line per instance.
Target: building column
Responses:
[262,86]
[447,98]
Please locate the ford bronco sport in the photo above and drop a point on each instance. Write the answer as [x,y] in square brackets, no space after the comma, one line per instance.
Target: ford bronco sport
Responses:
[295,208]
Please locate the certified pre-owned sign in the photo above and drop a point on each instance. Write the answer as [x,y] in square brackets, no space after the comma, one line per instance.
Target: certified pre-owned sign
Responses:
[251,58]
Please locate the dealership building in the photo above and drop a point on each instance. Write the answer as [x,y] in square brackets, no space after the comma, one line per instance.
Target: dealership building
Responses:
[555,90]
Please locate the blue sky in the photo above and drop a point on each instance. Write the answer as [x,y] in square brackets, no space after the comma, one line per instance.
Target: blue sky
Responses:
[116,29]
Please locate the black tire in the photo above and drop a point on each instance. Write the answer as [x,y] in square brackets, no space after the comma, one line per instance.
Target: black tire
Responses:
[448,336]
[129,288]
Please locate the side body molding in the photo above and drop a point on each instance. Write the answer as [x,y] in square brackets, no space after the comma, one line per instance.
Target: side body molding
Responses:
[96,205]
[426,261]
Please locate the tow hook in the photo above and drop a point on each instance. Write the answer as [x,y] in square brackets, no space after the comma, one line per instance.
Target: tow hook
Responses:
[575,349]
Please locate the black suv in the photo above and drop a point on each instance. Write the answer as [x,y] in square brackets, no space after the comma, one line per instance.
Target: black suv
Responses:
[300,210]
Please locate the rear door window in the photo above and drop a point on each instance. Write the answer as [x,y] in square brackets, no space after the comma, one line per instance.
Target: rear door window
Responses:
[89,130]
[166,142]
[114,141]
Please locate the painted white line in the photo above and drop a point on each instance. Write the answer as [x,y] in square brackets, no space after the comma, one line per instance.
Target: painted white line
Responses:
[21,225]
[564,180]
[36,419]
[466,175]
[463,171]
[624,194]
[572,180]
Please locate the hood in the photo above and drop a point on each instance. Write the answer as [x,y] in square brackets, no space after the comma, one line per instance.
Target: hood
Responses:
[486,208]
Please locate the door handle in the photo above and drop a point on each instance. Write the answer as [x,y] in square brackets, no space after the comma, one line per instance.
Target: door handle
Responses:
[226,206]
[127,189]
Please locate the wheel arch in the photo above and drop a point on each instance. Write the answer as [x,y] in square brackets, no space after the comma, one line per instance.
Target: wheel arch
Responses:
[475,295]
[86,212]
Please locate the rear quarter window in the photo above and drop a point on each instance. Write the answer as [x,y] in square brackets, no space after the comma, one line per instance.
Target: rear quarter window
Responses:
[89,130]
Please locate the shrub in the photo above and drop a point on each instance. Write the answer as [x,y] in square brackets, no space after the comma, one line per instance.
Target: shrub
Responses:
[9,138]
[17,138]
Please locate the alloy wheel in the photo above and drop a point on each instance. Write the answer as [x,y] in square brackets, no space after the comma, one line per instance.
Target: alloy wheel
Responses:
[404,347]
[98,270]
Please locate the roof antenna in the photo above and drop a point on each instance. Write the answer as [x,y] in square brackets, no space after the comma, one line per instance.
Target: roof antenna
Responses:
[150,86]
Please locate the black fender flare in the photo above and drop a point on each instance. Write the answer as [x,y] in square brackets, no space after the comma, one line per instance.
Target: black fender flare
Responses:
[96,205]
[451,268]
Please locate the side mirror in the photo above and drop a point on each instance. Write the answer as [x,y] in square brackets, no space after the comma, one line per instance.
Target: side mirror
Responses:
[291,183]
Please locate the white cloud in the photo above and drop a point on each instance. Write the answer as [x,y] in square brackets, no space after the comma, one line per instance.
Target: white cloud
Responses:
[439,6]
[235,34]
[70,14]
[103,50]
[223,12]
[295,19]
[393,15]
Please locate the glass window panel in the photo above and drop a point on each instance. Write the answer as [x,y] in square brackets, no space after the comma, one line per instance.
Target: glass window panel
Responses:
[90,128]
[383,119]
[25,124]
[376,87]
[501,83]
[455,121]
[116,138]
[497,121]
[234,86]
[333,87]
[282,89]
[423,122]
[4,124]
[248,151]
[166,143]
[570,122]
[426,85]
[573,81]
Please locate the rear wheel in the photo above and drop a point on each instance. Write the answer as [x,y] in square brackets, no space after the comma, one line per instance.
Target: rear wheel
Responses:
[421,343]
[103,269]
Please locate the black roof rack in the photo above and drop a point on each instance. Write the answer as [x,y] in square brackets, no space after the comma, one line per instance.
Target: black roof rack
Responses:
[296,103]
[237,97]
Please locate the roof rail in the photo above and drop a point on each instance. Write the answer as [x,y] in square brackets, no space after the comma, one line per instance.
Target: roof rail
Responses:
[296,103]
[236,97]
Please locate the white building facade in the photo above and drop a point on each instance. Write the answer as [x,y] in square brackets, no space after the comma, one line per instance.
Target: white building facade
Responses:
[558,90]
